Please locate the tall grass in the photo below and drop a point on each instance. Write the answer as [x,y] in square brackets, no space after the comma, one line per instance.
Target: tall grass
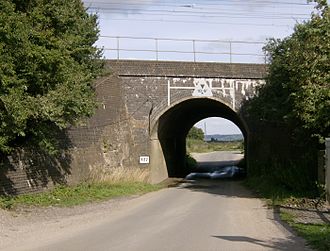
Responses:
[64,196]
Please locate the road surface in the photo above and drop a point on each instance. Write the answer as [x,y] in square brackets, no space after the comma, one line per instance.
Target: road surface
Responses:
[213,160]
[198,215]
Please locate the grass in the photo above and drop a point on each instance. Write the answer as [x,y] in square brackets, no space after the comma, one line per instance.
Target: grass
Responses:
[278,193]
[316,235]
[65,196]
[275,194]
[199,146]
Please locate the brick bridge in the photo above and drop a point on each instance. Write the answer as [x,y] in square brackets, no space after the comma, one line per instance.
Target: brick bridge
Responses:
[147,108]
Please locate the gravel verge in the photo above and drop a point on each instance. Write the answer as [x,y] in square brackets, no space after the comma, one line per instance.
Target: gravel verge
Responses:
[24,222]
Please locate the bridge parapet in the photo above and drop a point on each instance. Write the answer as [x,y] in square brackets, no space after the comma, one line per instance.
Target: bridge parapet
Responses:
[187,69]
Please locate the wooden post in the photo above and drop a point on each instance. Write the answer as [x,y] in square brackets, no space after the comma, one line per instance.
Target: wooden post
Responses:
[321,167]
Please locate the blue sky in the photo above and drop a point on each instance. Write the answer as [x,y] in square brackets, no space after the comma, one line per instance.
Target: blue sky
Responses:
[239,20]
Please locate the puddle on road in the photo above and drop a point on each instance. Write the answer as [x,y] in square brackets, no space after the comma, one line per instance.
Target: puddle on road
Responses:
[220,173]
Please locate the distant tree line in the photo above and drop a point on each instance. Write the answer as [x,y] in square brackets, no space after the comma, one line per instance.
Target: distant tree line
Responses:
[195,133]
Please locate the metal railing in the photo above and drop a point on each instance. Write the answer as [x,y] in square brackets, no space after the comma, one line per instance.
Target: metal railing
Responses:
[231,51]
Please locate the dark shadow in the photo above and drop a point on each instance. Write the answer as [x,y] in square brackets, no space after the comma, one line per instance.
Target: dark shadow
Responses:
[6,184]
[220,187]
[274,244]
[323,217]
[214,165]
[30,169]
[176,122]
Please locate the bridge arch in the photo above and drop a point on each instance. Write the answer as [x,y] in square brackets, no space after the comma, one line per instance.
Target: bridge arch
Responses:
[170,128]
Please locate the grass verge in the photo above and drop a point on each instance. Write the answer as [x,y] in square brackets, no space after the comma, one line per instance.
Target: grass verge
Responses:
[200,146]
[64,196]
[316,235]
[274,194]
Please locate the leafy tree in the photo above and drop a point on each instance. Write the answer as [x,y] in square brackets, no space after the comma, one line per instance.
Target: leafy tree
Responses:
[297,89]
[48,63]
[196,133]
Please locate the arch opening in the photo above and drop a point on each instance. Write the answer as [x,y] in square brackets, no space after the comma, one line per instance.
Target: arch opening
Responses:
[217,144]
[175,123]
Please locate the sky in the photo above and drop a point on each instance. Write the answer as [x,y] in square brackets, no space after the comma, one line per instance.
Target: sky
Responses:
[188,20]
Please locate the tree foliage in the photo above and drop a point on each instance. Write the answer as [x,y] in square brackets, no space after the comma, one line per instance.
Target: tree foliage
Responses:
[297,90]
[48,62]
[196,133]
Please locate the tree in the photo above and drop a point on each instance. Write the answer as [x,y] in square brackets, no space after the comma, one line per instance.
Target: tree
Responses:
[196,133]
[48,63]
[297,89]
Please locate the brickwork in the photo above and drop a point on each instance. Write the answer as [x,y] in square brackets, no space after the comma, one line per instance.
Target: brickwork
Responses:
[29,171]
[131,100]
[183,69]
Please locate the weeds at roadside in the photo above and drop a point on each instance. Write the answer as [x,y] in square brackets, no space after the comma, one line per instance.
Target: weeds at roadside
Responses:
[66,196]
[275,194]
[316,235]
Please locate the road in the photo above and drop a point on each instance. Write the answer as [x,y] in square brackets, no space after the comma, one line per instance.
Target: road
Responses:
[223,157]
[201,216]
[197,215]
[214,160]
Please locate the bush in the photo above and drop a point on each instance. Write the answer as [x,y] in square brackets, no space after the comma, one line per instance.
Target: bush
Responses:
[48,64]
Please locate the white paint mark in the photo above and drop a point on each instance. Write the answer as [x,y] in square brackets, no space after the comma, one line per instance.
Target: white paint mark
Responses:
[232,92]
[168,93]
[202,89]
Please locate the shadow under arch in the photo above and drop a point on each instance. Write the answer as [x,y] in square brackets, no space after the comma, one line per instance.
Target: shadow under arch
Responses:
[173,125]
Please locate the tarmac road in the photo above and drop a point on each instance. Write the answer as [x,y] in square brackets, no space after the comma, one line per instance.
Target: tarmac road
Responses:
[198,215]
[201,216]
[214,160]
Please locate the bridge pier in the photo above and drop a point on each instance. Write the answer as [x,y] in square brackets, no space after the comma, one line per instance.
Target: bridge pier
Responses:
[158,169]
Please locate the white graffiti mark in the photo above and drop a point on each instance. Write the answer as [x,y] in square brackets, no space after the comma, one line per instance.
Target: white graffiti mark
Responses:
[202,88]
[208,87]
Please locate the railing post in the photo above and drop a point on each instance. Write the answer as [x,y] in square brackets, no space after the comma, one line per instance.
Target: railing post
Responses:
[194,50]
[230,53]
[117,48]
[156,43]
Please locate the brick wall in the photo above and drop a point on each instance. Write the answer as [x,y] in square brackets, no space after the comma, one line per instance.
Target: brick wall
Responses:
[130,102]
